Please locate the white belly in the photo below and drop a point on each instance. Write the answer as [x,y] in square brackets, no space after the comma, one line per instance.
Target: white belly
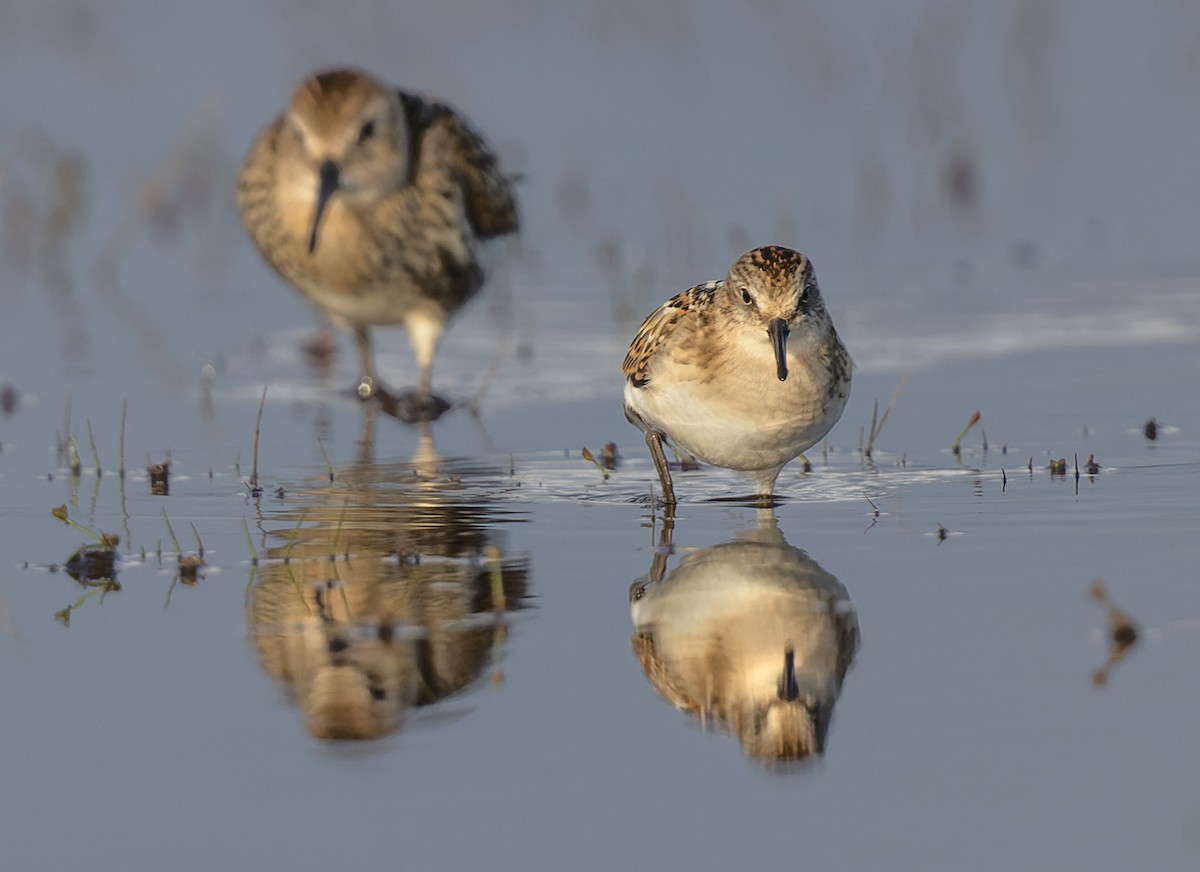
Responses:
[747,420]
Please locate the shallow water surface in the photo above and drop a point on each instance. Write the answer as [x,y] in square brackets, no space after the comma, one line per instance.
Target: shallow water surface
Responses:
[471,618]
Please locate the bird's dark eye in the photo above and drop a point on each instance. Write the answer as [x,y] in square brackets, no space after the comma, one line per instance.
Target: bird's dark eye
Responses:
[804,296]
[746,298]
[366,132]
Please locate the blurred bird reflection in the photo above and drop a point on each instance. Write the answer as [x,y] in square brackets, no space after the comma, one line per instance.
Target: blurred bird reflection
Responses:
[749,636]
[389,589]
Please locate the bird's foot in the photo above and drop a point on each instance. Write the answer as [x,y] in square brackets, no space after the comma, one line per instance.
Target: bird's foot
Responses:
[412,407]
[368,389]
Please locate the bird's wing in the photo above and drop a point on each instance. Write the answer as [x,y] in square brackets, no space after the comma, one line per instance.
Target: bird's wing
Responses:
[660,325]
[443,141]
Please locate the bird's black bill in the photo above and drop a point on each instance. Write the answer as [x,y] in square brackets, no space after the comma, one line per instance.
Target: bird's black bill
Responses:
[778,331]
[328,172]
[789,690]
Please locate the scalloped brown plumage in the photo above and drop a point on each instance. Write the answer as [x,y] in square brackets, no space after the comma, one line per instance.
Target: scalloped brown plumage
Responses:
[376,204]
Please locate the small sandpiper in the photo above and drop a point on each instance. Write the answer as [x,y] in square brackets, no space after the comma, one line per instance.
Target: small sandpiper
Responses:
[745,373]
[376,204]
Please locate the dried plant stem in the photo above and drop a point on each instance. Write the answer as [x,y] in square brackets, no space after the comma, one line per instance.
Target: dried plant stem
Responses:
[92,443]
[63,448]
[257,433]
[121,439]
[171,530]
[324,456]
[876,429]
[956,448]
[591,458]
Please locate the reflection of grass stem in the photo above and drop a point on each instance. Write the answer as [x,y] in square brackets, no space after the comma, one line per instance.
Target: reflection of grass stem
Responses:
[1123,633]
[250,542]
[295,537]
[249,580]
[499,607]
[299,588]
[64,616]
[337,532]
[956,448]
[325,457]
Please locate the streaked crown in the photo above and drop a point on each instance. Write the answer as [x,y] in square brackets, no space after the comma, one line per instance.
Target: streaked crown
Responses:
[773,282]
[357,122]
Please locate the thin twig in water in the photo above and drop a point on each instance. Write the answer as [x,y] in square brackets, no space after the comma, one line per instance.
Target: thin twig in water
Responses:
[73,458]
[92,442]
[591,458]
[876,430]
[474,404]
[121,439]
[61,514]
[63,445]
[199,542]
[956,448]
[171,530]
[871,432]
[257,433]
[325,457]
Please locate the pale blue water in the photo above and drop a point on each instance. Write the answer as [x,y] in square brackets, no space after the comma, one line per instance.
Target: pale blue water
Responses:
[1062,302]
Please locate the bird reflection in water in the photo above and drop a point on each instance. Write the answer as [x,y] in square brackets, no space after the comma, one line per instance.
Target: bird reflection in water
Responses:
[388,590]
[750,636]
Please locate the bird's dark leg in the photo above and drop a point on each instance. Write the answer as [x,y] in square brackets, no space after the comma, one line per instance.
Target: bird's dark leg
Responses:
[654,441]
[666,546]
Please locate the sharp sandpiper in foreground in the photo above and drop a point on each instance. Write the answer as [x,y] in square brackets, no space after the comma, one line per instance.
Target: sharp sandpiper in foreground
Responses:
[745,373]
[376,204]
